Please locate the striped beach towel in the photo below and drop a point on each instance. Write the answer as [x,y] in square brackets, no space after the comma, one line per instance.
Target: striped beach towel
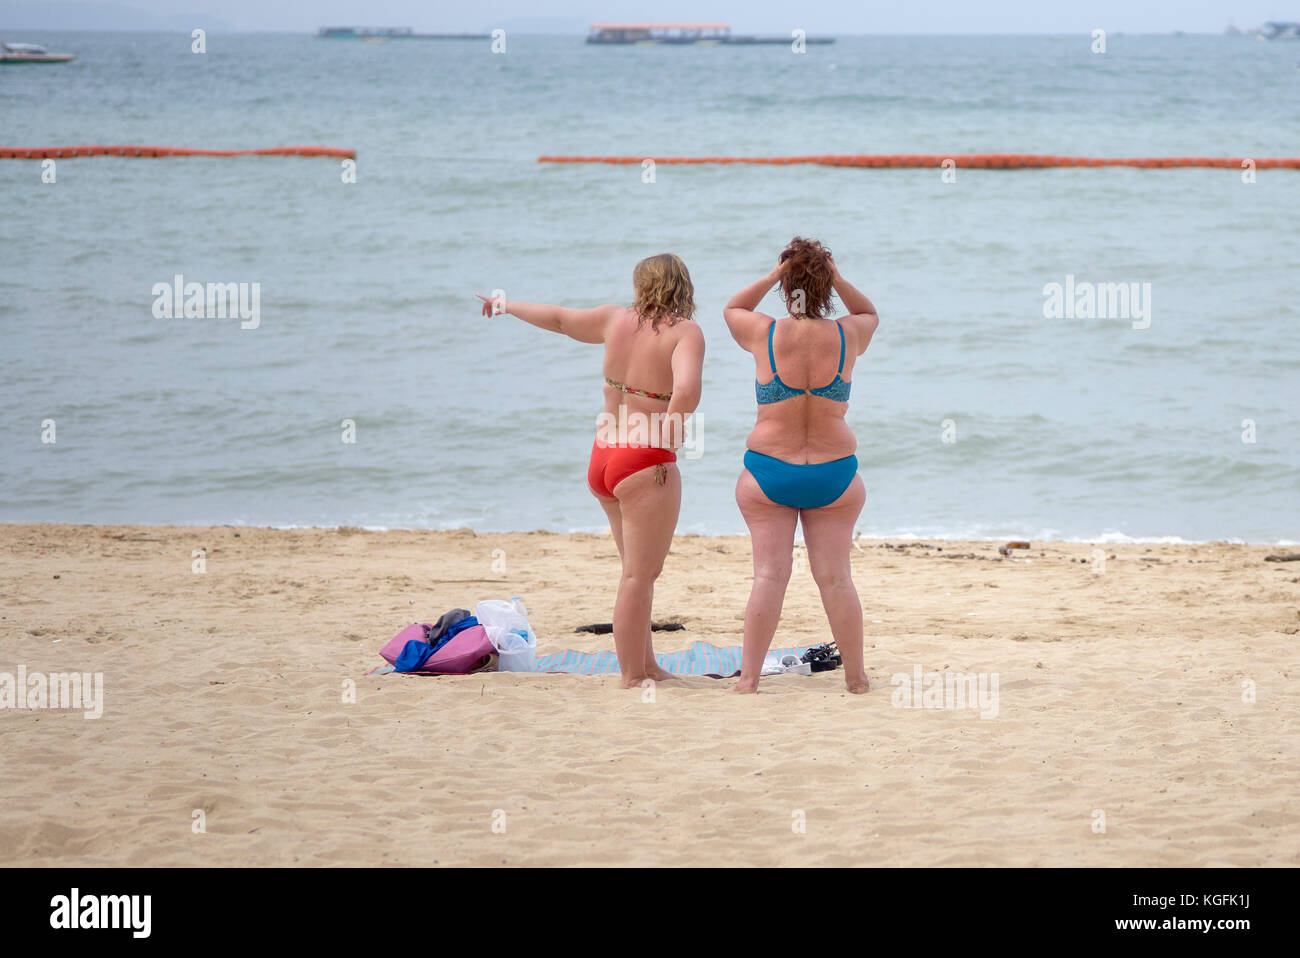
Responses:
[712,661]
[700,659]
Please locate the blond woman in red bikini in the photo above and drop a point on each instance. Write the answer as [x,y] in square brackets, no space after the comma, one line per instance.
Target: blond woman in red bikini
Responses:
[654,360]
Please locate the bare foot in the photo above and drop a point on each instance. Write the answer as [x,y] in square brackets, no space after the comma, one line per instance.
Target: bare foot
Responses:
[744,686]
[857,686]
[658,674]
[635,681]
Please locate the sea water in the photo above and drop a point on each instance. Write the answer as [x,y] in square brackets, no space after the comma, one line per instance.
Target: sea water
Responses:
[370,392]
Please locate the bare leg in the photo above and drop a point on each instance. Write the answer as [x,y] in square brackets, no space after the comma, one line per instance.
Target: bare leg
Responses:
[615,513]
[649,516]
[828,531]
[615,521]
[771,534]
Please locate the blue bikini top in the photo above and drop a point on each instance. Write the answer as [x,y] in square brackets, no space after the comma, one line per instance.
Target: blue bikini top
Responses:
[775,391]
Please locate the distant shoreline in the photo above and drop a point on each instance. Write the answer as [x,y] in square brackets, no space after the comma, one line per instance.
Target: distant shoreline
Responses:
[579,34]
[948,539]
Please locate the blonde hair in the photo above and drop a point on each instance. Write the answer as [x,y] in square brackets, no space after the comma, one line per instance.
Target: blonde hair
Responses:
[664,290]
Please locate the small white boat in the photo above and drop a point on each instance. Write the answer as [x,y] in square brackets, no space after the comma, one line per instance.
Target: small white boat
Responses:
[32,53]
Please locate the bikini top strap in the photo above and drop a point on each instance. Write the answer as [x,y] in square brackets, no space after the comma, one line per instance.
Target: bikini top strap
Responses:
[841,369]
[771,357]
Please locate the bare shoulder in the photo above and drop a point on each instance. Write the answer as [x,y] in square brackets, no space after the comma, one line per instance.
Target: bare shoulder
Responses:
[689,331]
[863,327]
[616,317]
[747,326]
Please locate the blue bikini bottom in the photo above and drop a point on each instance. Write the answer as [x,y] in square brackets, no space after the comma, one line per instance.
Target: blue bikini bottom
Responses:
[807,486]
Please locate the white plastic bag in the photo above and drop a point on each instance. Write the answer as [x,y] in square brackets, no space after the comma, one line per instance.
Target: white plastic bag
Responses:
[504,616]
[510,633]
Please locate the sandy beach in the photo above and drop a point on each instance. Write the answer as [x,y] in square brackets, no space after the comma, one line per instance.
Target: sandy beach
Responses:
[1124,693]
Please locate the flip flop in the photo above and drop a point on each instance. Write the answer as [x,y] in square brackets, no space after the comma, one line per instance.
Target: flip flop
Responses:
[823,658]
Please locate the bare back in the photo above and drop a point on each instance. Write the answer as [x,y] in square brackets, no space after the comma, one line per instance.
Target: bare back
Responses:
[806,428]
[641,359]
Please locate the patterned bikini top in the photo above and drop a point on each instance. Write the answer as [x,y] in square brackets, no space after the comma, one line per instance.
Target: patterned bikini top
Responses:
[625,388]
[836,390]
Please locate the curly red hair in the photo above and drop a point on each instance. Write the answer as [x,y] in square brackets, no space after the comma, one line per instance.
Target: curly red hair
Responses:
[807,274]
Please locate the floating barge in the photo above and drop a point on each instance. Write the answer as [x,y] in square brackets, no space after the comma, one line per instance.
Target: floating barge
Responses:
[391,33]
[32,53]
[682,34]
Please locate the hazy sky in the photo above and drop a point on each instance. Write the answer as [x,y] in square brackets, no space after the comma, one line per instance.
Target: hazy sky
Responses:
[763,16]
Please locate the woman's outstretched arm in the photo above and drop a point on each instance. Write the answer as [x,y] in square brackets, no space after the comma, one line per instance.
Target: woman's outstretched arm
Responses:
[584,325]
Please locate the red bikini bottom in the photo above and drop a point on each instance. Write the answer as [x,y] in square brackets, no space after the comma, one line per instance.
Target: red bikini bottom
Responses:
[611,464]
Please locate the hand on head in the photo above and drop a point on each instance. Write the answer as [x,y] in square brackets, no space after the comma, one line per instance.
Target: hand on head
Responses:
[799,245]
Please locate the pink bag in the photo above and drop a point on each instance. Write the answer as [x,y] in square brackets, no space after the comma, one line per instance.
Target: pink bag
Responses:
[466,651]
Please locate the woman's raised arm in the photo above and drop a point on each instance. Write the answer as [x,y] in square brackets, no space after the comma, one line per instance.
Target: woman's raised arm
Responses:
[742,320]
[862,312]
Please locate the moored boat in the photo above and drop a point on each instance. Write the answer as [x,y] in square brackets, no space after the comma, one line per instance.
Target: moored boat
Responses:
[32,53]
[683,34]
[381,34]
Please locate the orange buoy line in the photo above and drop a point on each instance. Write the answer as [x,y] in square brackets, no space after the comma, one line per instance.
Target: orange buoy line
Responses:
[983,161]
[59,152]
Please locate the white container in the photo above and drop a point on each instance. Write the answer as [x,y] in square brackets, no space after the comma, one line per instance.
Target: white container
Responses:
[517,660]
[516,652]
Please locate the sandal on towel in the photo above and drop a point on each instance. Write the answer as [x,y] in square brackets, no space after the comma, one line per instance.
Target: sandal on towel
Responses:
[823,658]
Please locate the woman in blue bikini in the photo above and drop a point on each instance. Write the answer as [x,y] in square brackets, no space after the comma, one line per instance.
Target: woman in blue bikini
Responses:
[800,464]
